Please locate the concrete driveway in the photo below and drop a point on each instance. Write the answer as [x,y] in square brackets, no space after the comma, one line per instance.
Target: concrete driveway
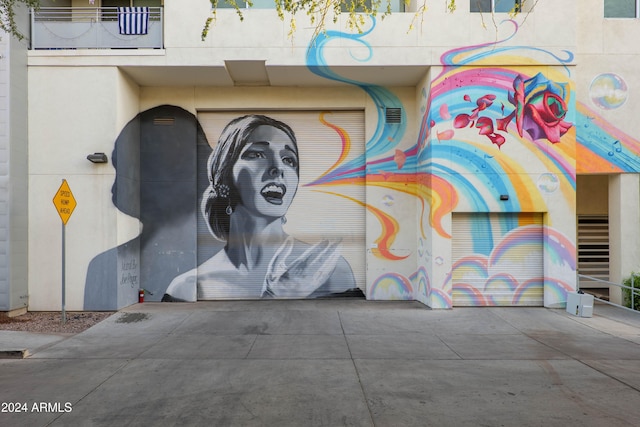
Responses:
[331,363]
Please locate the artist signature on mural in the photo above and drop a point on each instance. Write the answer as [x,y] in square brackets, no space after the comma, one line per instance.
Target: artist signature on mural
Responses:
[129,275]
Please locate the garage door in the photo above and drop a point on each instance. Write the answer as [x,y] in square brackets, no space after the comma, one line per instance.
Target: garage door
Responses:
[497,259]
[324,220]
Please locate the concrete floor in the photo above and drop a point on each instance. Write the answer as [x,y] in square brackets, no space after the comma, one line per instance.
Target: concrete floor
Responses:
[330,363]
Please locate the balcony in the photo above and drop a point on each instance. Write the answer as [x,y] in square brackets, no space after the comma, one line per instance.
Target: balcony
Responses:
[96,28]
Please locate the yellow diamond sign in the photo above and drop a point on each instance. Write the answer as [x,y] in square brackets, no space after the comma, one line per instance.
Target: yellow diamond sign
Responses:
[64,202]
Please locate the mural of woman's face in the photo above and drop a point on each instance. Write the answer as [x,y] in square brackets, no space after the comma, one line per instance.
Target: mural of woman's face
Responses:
[266,173]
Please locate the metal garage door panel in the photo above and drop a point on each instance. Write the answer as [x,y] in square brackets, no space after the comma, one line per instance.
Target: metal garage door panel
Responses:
[324,138]
[498,259]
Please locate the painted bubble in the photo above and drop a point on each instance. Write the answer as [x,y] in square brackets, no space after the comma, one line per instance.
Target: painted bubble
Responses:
[548,182]
[388,200]
[608,91]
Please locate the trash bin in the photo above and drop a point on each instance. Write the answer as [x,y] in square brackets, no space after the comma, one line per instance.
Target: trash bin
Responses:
[580,304]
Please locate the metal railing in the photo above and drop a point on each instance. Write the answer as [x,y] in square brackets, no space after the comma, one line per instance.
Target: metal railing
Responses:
[91,28]
[634,290]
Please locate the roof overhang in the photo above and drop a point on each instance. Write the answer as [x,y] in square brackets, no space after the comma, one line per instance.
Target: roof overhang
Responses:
[257,73]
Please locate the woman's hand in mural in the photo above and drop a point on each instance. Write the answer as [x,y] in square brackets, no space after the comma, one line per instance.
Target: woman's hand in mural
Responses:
[301,276]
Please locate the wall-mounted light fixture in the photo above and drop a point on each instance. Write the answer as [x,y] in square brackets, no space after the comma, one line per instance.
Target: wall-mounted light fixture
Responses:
[97,158]
[504,197]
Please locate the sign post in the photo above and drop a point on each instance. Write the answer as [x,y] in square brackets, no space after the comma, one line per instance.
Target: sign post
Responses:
[65,203]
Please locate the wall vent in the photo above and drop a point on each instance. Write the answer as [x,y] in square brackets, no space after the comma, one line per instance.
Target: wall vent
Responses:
[164,121]
[393,115]
[593,250]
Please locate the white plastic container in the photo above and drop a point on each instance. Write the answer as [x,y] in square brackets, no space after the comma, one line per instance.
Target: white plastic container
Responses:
[580,304]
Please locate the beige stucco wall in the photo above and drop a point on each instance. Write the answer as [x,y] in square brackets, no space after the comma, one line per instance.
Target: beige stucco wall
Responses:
[624,221]
[263,36]
[592,195]
[74,111]
[79,101]
[92,123]
[606,46]
[13,170]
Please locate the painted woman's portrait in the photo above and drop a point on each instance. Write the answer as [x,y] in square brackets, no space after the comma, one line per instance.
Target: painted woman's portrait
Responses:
[254,174]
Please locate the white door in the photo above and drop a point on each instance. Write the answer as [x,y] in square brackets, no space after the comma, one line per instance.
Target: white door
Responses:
[497,259]
[324,215]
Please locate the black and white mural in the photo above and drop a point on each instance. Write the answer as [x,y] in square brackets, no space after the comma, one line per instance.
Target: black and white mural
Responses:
[214,219]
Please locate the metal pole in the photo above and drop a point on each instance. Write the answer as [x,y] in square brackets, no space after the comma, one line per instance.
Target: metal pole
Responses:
[64,315]
[633,291]
[33,31]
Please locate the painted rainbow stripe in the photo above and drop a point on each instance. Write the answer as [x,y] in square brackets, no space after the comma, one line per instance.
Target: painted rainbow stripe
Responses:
[420,282]
[476,54]
[602,147]
[466,294]
[392,286]
[440,299]
[555,292]
[344,138]
[471,266]
[531,290]
[390,228]
[559,249]
[523,240]
[499,289]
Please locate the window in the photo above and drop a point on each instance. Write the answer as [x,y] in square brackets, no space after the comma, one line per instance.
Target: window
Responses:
[498,6]
[396,5]
[621,8]
[257,4]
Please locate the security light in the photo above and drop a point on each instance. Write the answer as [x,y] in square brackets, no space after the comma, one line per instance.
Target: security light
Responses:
[97,158]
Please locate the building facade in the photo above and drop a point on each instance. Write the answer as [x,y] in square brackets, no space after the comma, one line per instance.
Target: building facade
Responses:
[467,162]
[14,290]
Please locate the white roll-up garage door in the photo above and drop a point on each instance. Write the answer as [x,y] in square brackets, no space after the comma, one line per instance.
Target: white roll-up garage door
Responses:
[497,259]
[320,211]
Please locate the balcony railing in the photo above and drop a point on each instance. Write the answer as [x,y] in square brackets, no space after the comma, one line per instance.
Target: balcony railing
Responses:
[95,28]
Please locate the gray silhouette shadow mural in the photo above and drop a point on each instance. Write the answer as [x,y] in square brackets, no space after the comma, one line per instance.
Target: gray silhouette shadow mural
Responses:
[156,161]
[253,178]
[212,220]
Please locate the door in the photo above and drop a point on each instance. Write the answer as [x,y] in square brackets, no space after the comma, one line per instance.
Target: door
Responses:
[321,212]
[497,259]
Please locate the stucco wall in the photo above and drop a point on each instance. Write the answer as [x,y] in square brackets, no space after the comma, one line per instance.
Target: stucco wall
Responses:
[606,79]
[74,112]
[565,44]
[592,197]
[96,225]
[13,169]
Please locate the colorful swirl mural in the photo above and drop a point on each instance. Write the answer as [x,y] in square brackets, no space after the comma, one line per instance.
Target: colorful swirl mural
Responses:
[384,165]
[603,148]
[485,131]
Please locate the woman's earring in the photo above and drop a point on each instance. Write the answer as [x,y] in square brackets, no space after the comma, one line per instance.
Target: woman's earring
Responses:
[222,190]
[283,220]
